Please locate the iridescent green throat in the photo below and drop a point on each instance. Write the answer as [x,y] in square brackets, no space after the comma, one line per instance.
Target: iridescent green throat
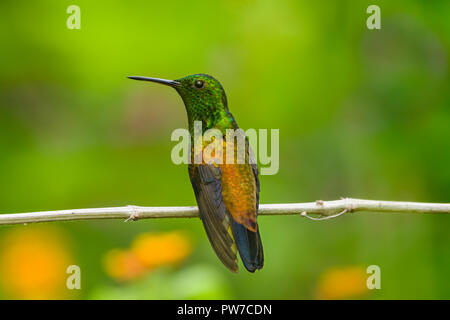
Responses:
[205,101]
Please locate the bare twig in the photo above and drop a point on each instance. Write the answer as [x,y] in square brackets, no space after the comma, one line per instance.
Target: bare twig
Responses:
[322,216]
[326,209]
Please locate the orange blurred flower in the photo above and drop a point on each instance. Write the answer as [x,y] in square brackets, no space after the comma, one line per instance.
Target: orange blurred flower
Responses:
[33,263]
[122,265]
[154,250]
[342,283]
[148,251]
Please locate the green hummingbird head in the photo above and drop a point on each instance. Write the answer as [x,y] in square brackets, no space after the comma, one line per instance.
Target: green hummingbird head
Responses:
[204,98]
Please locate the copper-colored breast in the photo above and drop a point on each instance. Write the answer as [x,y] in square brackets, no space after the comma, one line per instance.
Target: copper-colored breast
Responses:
[238,186]
[239,193]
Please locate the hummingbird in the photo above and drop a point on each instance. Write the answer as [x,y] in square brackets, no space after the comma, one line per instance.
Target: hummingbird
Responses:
[227,194]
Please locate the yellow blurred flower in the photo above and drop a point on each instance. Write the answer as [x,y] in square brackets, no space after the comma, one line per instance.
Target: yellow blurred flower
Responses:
[33,263]
[148,251]
[122,265]
[343,283]
[154,250]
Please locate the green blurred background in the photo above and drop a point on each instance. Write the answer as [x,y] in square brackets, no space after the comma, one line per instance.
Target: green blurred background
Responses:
[362,113]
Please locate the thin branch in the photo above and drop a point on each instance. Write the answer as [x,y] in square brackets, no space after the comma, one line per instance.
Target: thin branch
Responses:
[326,209]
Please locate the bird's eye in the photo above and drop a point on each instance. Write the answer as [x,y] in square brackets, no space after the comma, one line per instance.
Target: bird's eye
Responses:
[199,84]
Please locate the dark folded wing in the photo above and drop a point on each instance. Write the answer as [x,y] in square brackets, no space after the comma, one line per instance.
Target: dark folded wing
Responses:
[206,182]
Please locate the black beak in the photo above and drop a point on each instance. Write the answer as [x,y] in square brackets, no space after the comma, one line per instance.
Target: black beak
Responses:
[170,83]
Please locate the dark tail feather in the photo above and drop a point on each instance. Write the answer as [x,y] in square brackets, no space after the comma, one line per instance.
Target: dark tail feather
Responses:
[249,245]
